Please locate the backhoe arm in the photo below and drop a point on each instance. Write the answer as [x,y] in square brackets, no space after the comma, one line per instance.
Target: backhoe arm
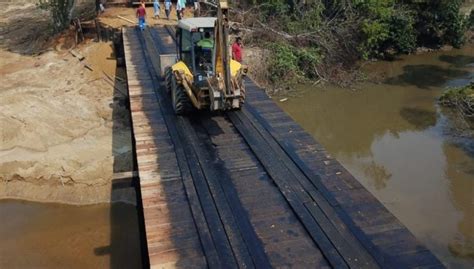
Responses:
[221,51]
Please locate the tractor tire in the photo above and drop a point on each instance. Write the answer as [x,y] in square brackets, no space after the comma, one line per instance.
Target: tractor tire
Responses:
[180,100]
[168,77]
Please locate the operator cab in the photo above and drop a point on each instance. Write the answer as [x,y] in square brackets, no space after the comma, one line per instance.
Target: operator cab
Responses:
[195,45]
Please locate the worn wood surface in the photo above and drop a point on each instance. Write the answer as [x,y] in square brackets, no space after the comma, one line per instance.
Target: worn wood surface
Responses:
[249,188]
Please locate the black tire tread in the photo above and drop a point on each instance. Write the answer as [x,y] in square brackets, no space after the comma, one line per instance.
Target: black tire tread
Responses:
[168,83]
[181,103]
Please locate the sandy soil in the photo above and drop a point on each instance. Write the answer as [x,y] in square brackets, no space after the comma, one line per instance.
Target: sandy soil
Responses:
[64,130]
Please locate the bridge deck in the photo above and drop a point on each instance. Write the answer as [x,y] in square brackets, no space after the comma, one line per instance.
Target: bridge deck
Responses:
[249,188]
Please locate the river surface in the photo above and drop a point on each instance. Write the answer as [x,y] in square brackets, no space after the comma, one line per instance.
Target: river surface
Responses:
[40,235]
[415,157]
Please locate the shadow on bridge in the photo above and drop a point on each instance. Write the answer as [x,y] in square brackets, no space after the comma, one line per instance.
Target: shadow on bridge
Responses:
[169,235]
[127,248]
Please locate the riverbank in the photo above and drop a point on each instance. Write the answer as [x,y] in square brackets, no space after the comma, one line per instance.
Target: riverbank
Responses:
[329,42]
[64,126]
[65,130]
[462,100]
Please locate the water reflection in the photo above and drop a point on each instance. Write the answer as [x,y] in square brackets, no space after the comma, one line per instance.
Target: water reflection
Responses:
[39,235]
[458,61]
[425,76]
[403,148]
[461,177]
[421,119]
[378,172]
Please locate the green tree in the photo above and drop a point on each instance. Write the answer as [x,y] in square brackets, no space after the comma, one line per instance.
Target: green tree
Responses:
[438,22]
[453,24]
[375,28]
[402,34]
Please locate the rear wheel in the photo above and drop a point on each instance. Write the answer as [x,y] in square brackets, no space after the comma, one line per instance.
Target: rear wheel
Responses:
[179,98]
[168,82]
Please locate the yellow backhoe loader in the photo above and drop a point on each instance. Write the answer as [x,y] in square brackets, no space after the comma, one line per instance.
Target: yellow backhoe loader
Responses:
[204,76]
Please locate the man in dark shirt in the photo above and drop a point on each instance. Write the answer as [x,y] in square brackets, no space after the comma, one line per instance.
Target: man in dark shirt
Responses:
[237,49]
[141,14]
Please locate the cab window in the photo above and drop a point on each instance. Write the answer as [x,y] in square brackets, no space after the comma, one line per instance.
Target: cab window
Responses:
[186,41]
[186,46]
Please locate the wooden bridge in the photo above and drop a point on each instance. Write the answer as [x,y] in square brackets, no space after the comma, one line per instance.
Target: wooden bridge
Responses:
[249,188]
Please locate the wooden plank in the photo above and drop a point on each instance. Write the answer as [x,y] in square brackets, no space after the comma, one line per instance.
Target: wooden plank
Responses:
[280,176]
[280,213]
[361,249]
[190,262]
[218,256]
[348,247]
[195,180]
[302,170]
[298,253]
[219,181]
[147,118]
[175,255]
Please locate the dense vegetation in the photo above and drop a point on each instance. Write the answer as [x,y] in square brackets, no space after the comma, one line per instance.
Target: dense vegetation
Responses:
[319,38]
[461,99]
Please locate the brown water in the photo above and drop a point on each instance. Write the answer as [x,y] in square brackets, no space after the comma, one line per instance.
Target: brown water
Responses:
[414,157]
[38,235]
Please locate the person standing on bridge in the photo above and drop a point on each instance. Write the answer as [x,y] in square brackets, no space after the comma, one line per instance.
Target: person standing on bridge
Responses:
[168,8]
[141,14]
[156,9]
[237,49]
[180,6]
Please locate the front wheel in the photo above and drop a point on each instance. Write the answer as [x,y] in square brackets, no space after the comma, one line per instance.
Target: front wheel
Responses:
[181,102]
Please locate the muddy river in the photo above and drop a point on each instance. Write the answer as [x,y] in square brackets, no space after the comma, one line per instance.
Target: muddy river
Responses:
[38,235]
[415,157]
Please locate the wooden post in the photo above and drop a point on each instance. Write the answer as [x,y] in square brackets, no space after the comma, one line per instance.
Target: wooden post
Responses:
[97,29]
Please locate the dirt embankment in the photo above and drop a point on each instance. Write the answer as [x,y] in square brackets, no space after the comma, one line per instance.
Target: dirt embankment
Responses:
[64,129]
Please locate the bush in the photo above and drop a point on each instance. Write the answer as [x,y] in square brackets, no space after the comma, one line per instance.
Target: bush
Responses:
[283,63]
[309,20]
[375,29]
[438,22]
[453,23]
[374,35]
[405,24]
[402,34]
[454,95]
[273,8]
[290,64]
[461,99]
[308,60]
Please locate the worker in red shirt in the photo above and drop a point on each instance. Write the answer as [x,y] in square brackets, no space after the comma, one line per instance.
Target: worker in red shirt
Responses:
[237,49]
[141,14]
